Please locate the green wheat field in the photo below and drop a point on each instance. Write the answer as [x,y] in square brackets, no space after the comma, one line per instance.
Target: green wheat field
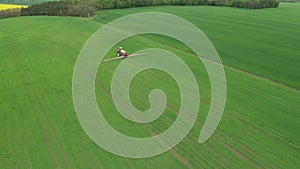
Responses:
[260,126]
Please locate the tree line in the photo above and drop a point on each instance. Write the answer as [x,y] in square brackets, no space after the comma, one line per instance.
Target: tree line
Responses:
[86,8]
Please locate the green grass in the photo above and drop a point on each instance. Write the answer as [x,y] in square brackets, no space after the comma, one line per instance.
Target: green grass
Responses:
[259,129]
[263,42]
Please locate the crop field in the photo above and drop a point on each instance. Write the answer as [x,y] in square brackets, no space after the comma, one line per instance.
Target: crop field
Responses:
[260,125]
[10,6]
[23,2]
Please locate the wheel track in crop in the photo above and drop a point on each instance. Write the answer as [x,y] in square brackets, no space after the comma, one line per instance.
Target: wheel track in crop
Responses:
[229,147]
[29,163]
[39,120]
[235,151]
[172,151]
[23,76]
[107,93]
[26,75]
[89,78]
[51,127]
[172,109]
